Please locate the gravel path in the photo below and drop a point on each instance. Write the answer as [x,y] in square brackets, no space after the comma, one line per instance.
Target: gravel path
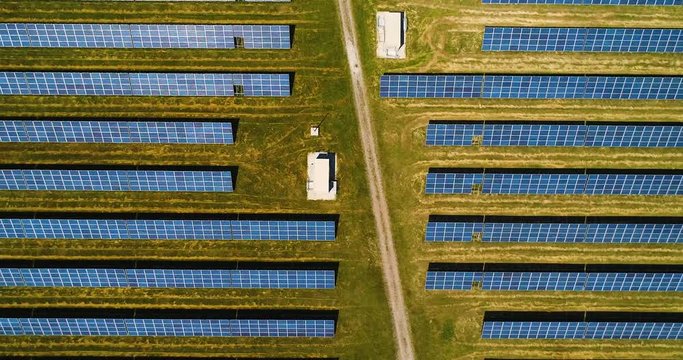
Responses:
[379,203]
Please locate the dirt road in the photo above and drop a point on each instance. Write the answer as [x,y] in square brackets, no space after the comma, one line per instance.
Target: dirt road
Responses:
[379,203]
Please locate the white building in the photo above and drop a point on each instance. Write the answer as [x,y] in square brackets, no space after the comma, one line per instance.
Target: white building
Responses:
[391,35]
[322,176]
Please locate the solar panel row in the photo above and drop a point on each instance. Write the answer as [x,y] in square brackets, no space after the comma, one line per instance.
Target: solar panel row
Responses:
[535,134]
[582,39]
[116,180]
[553,183]
[167,278]
[553,281]
[142,36]
[144,84]
[538,232]
[531,87]
[581,330]
[166,327]
[112,229]
[587,2]
[116,132]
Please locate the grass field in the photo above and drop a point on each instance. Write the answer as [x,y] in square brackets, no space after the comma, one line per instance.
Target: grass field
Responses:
[271,148]
[444,36]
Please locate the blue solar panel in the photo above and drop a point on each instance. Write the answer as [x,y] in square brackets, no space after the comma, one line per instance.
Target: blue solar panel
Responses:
[581,330]
[116,180]
[167,278]
[587,2]
[533,183]
[116,132]
[630,184]
[143,84]
[531,87]
[466,231]
[452,280]
[582,39]
[144,36]
[553,281]
[634,233]
[431,86]
[634,282]
[166,327]
[112,229]
[553,183]
[499,134]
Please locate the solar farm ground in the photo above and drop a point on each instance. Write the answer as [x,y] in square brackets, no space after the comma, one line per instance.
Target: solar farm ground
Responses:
[271,148]
[445,36]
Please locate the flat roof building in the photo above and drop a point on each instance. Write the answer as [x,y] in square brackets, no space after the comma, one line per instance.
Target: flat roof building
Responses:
[391,35]
[322,181]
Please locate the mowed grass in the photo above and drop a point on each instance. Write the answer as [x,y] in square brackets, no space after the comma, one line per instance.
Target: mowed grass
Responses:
[271,148]
[445,36]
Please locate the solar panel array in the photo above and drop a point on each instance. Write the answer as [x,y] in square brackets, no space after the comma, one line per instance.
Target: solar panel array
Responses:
[538,134]
[167,278]
[156,229]
[553,281]
[553,183]
[541,232]
[143,84]
[531,87]
[166,327]
[581,330]
[582,39]
[141,36]
[116,132]
[588,2]
[116,180]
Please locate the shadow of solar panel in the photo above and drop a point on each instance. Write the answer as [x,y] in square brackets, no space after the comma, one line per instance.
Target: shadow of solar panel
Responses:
[143,84]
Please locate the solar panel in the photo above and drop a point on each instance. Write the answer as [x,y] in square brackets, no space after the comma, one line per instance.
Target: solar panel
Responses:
[116,132]
[143,84]
[477,181]
[632,184]
[166,327]
[582,39]
[116,180]
[168,278]
[587,2]
[535,134]
[544,277]
[165,36]
[531,87]
[149,229]
[557,232]
[581,330]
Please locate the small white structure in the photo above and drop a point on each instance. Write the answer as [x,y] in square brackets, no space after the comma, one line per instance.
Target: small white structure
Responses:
[315,130]
[391,35]
[322,176]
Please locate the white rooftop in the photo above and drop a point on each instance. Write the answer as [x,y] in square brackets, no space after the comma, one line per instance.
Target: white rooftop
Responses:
[391,35]
[322,176]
